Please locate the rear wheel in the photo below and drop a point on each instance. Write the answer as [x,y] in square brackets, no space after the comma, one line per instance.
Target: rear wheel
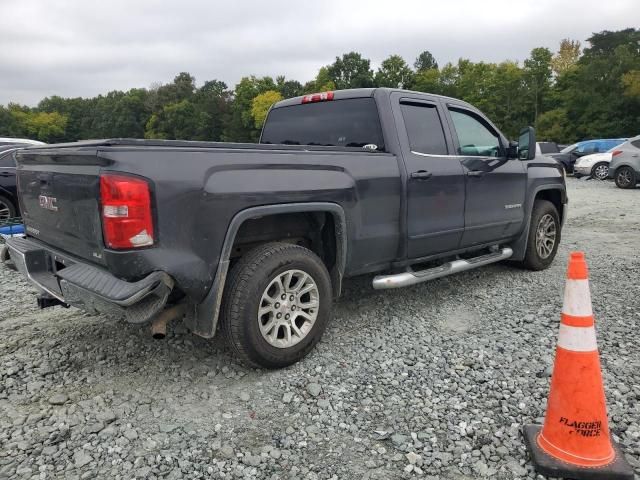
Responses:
[7,209]
[277,305]
[625,177]
[600,171]
[544,236]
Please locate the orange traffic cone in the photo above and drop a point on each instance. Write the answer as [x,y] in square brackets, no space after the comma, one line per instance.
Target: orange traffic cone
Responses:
[575,441]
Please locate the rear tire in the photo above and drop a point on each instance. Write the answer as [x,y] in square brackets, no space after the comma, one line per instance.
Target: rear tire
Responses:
[269,282]
[625,177]
[7,209]
[600,171]
[544,236]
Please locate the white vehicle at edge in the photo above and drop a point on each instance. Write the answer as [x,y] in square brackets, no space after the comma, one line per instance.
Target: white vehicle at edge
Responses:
[595,165]
[24,141]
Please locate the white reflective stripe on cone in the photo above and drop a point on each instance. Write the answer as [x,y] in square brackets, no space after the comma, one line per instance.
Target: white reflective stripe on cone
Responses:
[577,299]
[577,339]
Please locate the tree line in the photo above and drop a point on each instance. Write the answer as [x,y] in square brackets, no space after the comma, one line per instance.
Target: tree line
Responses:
[568,95]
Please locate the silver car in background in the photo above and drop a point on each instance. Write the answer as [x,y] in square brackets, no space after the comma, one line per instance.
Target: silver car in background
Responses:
[625,166]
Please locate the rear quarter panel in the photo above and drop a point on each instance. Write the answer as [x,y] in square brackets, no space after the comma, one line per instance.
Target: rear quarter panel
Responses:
[197,193]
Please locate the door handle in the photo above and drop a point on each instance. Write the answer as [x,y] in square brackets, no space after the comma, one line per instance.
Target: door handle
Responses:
[475,173]
[421,175]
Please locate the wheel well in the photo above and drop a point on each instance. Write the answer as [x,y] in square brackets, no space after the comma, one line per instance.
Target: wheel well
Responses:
[313,230]
[553,196]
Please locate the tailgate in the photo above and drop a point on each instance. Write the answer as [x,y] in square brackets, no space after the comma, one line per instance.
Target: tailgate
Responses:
[59,195]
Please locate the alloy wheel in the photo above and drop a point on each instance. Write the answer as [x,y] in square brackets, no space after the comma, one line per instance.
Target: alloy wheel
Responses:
[624,178]
[288,308]
[601,172]
[546,236]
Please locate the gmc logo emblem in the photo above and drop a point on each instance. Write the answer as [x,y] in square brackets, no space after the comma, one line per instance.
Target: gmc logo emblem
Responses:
[48,203]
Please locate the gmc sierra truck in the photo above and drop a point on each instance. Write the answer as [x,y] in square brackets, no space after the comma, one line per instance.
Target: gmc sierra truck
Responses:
[256,239]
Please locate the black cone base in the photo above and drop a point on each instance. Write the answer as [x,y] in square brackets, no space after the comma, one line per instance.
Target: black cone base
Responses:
[552,467]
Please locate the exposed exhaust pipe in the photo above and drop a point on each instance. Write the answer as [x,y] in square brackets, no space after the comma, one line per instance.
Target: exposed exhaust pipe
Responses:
[159,323]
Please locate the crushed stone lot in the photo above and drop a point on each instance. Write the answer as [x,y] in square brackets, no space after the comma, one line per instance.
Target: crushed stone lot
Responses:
[431,381]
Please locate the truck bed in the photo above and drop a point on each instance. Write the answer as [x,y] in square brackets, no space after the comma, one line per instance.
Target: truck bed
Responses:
[197,188]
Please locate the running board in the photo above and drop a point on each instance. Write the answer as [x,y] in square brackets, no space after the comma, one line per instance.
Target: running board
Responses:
[410,277]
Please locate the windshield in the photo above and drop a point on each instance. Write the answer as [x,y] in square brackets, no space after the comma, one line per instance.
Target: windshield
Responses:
[569,149]
[352,122]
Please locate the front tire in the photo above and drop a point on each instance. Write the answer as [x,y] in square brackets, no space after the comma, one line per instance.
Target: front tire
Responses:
[277,304]
[544,236]
[625,177]
[600,171]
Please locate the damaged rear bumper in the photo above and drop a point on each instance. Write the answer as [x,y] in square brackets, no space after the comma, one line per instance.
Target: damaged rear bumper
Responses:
[88,287]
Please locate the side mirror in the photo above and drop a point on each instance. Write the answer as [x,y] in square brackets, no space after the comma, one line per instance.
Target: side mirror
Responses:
[512,150]
[527,144]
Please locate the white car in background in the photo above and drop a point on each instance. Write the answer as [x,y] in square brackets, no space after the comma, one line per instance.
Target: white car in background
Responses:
[595,165]
[23,141]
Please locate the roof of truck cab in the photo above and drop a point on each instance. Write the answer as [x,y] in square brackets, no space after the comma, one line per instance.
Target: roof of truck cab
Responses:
[366,92]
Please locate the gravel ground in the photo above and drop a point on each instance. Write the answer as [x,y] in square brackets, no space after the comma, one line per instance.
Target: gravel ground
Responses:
[433,381]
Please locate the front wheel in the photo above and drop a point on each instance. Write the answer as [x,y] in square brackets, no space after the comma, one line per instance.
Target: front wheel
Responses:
[600,171]
[544,236]
[277,305]
[625,178]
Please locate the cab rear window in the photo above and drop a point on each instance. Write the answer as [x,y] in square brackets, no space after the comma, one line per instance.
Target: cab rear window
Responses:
[351,122]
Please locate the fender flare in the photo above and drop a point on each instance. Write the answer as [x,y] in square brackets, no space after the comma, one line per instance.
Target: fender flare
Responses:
[519,246]
[203,318]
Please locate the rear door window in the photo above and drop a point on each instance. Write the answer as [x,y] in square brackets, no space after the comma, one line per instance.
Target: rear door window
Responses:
[424,128]
[351,122]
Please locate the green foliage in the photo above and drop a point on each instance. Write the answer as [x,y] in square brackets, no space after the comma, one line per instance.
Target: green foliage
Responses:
[595,93]
[394,72]
[567,56]
[241,126]
[631,83]
[537,69]
[20,121]
[261,104]
[289,88]
[554,125]
[351,71]
[568,96]
[425,61]
[427,81]
[322,82]
[175,121]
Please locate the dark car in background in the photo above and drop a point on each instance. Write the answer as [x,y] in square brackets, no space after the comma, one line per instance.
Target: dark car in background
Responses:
[546,148]
[8,195]
[568,155]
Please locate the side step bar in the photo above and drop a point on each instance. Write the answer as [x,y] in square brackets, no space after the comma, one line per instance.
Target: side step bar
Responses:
[410,277]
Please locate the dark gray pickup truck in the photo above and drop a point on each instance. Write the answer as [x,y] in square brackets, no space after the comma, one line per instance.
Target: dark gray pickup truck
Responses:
[257,239]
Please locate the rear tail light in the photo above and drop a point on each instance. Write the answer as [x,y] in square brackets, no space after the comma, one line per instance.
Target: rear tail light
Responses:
[318,97]
[127,220]
[616,152]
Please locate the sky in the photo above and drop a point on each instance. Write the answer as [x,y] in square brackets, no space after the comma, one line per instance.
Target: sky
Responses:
[87,47]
